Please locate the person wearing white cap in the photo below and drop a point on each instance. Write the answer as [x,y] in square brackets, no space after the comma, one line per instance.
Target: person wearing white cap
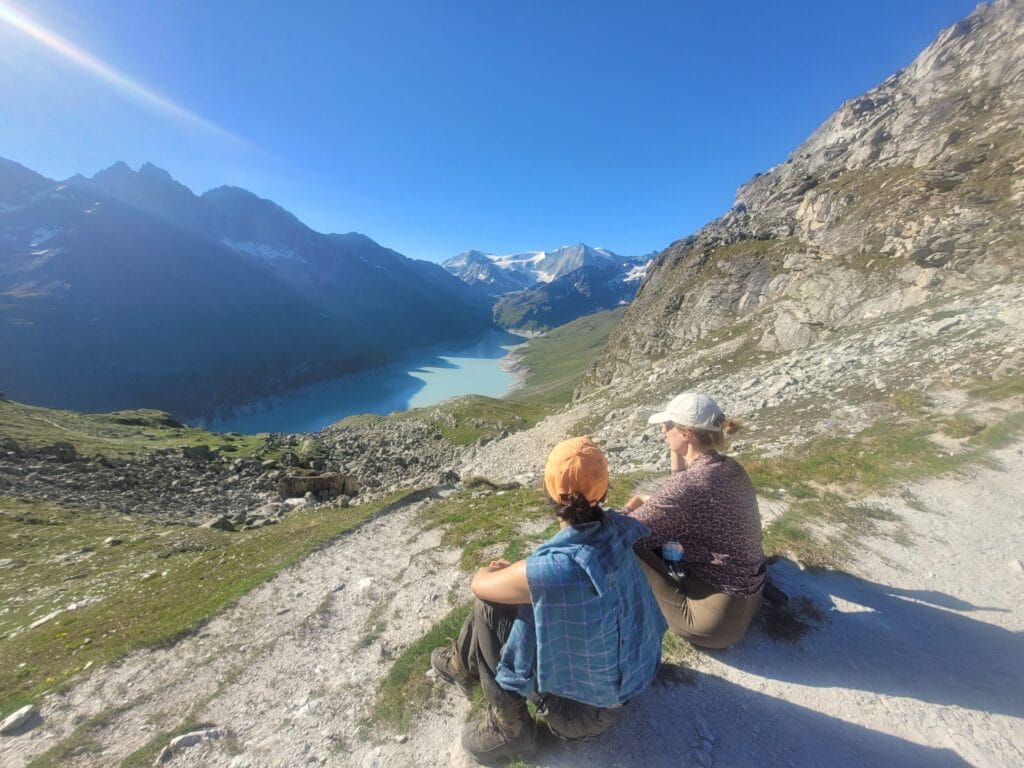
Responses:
[709,506]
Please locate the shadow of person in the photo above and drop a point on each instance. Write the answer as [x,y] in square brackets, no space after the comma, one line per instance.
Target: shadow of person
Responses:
[715,722]
[883,639]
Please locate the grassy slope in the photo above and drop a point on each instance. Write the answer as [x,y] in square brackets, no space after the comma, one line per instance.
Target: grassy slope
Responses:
[463,420]
[160,583]
[556,361]
[826,480]
[117,434]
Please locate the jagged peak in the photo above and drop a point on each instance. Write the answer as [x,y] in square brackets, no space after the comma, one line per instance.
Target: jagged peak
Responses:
[120,167]
[228,191]
[148,169]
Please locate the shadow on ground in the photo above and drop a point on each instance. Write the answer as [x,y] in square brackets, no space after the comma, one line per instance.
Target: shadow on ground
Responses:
[881,639]
[839,632]
[714,722]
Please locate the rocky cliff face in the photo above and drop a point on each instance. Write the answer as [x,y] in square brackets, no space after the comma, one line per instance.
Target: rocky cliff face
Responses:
[909,193]
[581,292]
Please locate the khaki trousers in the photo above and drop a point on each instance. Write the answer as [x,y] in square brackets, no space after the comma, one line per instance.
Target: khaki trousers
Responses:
[694,610]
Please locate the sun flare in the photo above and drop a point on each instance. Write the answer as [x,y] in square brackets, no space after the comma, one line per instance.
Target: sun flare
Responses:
[137,91]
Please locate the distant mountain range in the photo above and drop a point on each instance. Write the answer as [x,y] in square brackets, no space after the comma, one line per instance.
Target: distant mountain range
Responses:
[538,290]
[126,289]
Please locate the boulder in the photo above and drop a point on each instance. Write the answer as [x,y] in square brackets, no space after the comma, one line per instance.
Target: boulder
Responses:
[63,452]
[17,720]
[186,740]
[198,453]
[334,484]
[221,523]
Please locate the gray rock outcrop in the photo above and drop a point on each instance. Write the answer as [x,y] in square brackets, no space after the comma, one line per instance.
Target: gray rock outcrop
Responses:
[911,191]
[328,485]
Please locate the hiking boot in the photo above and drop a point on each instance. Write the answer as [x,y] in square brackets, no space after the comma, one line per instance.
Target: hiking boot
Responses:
[448,665]
[502,735]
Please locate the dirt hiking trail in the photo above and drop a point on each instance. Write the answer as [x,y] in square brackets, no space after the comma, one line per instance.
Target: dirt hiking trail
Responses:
[916,657]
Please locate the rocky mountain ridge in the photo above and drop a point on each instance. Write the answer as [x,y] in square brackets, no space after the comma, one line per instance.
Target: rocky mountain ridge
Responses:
[126,290]
[524,270]
[906,199]
[539,290]
[878,265]
[581,292]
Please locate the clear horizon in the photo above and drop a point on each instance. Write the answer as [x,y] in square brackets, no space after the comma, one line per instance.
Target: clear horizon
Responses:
[436,130]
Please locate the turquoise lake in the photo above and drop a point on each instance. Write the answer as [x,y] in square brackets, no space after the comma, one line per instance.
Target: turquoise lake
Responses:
[427,380]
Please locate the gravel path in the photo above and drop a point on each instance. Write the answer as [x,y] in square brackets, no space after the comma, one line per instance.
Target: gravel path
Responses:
[916,659]
[289,671]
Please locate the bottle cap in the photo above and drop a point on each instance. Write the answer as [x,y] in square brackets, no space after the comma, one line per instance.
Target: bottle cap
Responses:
[672,551]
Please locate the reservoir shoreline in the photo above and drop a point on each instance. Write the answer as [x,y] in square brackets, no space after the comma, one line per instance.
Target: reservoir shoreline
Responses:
[425,377]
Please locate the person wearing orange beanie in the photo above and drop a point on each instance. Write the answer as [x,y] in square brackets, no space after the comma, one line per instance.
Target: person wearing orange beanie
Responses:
[574,627]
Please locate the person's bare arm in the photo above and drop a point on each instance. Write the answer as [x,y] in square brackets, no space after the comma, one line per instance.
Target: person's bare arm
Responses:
[635,502]
[678,461]
[502,582]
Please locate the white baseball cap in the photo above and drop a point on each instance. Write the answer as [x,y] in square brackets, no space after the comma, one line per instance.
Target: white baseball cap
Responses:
[691,410]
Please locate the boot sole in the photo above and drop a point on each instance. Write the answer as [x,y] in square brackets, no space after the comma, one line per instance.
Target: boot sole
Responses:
[466,686]
[503,754]
[506,752]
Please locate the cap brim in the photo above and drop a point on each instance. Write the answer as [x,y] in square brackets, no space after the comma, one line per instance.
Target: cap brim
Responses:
[659,418]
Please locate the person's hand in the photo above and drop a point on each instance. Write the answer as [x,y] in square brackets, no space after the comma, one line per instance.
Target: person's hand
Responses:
[635,502]
[497,565]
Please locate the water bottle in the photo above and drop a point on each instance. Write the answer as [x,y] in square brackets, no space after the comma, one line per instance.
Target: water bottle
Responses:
[672,553]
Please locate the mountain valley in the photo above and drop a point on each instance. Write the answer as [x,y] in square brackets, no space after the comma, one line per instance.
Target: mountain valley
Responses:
[275,597]
[126,290]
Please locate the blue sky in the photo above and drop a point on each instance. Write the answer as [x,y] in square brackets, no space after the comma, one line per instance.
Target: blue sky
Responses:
[436,127]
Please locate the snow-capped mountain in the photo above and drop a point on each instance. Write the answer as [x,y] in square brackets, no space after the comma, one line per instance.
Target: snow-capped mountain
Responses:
[483,271]
[581,292]
[537,290]
[499,275]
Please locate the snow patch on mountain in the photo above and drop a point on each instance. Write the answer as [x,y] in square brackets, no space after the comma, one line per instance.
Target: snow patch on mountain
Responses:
[637,273]
[264,251]
[519,262]
[534,266]
[42,234]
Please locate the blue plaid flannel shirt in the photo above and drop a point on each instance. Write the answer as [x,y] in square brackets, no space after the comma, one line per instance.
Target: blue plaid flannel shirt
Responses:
[593,633]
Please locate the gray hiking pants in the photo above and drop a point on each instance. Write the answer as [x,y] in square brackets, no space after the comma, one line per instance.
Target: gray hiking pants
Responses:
[479,646]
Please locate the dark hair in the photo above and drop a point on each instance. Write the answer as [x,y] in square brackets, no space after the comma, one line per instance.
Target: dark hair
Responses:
[576,510]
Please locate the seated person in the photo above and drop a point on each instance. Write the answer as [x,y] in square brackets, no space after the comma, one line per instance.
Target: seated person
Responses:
[709,506]
[573,627]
